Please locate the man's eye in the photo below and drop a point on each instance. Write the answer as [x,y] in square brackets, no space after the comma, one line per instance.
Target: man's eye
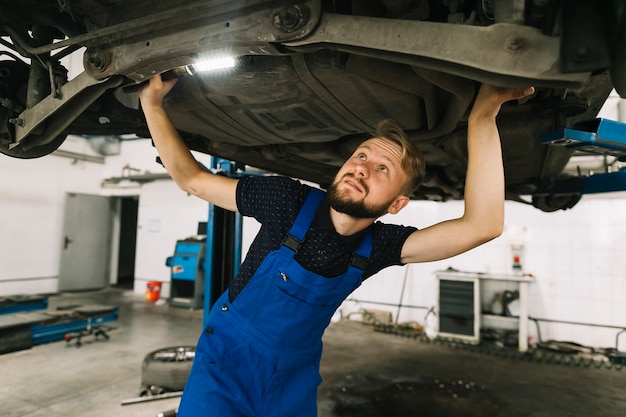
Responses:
[384,169]
[362,156]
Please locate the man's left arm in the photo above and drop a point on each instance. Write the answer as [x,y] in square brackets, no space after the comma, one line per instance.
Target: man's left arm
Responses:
[483,217]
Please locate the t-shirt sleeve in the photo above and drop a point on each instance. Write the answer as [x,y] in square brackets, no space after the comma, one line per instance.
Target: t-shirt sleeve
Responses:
[265,198]
[387,246]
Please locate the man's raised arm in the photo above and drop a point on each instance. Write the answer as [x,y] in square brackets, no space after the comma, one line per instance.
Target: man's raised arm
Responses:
[175,155]
[483,217]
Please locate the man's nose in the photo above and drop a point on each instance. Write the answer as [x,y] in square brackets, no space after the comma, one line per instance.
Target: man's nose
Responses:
[362,170]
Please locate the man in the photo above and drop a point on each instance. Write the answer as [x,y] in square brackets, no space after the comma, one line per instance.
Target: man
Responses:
[259,354]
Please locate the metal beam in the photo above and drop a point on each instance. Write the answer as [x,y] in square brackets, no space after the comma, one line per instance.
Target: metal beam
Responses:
[43,122]
[521,52]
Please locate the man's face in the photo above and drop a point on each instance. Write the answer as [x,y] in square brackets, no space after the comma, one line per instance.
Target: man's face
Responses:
[369,183]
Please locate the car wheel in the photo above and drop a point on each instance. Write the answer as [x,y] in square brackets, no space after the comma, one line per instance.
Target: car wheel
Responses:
[168,368]
[550,203]
[13,85]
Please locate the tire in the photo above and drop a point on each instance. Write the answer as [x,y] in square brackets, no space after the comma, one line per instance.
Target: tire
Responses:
[551,203]
[168,368]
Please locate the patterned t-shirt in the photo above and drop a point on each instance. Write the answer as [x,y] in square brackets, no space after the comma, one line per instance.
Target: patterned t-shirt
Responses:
[275,202]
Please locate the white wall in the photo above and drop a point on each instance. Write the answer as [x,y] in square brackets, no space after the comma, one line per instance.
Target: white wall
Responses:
[576,258]
[32,194]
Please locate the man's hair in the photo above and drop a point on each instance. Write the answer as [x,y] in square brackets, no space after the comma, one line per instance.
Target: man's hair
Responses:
[412,162]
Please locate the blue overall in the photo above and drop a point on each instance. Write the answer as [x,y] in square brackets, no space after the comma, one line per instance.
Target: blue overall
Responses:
[260,354]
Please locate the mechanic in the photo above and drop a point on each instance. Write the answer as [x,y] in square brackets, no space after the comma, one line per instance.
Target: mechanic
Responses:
[260,352]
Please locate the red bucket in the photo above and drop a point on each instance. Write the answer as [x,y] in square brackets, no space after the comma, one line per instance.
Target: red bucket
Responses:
[153,291]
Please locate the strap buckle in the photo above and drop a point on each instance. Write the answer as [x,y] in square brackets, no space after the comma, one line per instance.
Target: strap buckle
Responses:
[359,261]
[292,243]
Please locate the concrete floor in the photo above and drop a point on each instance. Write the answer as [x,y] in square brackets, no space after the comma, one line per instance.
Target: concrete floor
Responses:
[366,373]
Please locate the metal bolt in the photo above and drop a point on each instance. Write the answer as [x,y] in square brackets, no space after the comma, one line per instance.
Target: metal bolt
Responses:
[291,18]
[514,43]
[17,121]
[96,62]
[99,61]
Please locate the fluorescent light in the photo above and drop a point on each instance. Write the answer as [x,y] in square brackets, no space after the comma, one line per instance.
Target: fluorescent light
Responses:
[214,64]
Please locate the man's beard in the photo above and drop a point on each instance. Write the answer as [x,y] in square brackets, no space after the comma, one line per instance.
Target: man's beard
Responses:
[357,209]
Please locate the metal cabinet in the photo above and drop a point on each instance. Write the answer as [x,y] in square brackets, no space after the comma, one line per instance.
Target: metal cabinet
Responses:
[459,308]
[462,296]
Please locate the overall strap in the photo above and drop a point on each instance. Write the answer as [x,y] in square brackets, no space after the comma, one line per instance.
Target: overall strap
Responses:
[363,252]
[301,225]
[303,221]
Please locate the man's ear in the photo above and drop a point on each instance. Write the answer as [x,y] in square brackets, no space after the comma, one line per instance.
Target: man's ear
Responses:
[398,204]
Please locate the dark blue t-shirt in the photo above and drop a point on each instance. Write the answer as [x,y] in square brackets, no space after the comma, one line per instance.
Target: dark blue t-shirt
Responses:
[275,202]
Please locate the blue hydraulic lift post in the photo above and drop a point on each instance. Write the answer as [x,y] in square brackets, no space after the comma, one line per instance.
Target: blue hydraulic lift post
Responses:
[224,167]
[238,243]
[208,265]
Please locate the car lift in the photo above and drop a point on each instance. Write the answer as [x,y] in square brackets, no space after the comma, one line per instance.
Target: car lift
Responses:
[25,329]
[223,240]
[594,137]
[22,303]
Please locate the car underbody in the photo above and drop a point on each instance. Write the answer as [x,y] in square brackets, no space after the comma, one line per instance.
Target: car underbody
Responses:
[313,78]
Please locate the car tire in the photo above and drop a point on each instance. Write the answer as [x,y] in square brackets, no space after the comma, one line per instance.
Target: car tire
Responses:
[167,368]
[551,203]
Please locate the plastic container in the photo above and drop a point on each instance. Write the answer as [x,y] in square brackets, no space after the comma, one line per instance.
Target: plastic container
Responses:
[153,291]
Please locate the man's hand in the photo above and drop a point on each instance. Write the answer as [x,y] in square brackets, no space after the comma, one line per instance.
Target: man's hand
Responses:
[154,91]
[491,98]
[175,154]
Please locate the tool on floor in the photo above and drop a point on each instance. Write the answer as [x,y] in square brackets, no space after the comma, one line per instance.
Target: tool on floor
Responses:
[154,397]
[96,331]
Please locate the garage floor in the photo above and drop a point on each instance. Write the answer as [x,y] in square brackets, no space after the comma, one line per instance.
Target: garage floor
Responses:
[366,373]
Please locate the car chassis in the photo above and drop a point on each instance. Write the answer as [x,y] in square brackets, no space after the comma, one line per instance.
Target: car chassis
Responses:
[441,63]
